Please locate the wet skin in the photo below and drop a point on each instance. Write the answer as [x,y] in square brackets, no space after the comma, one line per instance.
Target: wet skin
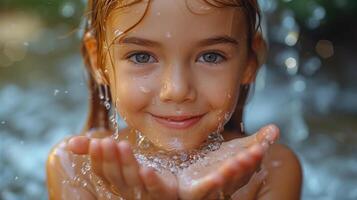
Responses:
[177,90]
[117,165]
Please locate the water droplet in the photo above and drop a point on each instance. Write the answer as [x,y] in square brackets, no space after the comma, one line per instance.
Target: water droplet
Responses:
[66,91]
[3,122]
[158,13]
[16,178]
[68,9]
[176,161]
[168,35]
[144,89]
[227,116]
[84,183]
[183,157]
[276,163]
[118,33]
[56,92]
[205,8]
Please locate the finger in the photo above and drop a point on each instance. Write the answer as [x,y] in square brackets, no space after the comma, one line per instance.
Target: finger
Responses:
[269,133]
[238,170]
[95,153]
[111,164]
[130,168]
[212,187]
[212,182]
[78,145]
[155,186]
[249,160]
[245,165]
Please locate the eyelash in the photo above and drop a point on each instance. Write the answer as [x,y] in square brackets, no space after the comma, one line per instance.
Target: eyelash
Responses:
[222,57]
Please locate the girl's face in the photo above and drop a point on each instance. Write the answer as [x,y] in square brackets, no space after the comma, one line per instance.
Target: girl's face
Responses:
[176,75]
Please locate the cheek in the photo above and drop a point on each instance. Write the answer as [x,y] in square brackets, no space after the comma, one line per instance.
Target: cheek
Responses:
[132,94]
[220,89]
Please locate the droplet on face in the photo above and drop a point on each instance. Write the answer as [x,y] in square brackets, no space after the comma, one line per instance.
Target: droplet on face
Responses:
[168,35]
[179,112]
[144,89]
[158,13]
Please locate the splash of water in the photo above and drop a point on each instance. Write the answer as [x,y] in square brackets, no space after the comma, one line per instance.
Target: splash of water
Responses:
[173,161]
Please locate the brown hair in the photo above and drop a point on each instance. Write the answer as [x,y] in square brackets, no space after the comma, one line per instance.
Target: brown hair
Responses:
[98,11]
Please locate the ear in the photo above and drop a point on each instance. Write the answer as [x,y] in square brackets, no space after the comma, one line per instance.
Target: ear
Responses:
[257,57]
[90,43]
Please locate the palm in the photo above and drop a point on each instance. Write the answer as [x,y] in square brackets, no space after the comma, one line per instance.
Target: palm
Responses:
[226,169]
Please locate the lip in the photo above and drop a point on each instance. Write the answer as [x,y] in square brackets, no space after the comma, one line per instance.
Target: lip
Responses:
[178,122]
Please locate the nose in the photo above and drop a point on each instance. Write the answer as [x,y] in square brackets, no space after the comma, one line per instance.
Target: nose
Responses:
[177,85]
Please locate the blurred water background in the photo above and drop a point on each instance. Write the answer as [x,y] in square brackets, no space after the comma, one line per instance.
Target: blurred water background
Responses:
[308,87]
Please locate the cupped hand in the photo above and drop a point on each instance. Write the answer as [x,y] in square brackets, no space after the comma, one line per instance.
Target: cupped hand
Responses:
[117,166]
[224,171]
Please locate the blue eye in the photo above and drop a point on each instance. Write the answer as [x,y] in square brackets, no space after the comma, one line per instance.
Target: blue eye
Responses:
[141,58]
[214,58]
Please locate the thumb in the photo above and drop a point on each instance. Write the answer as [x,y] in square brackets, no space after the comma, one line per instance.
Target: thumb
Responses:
[78,145]
[269,133]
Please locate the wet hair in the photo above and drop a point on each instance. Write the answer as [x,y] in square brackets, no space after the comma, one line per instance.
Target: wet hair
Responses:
[96,15]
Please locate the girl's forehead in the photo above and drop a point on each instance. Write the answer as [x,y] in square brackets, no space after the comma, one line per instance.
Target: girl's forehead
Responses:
[173,18]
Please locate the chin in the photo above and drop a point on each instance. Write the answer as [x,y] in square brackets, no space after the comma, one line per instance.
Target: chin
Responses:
[179,141]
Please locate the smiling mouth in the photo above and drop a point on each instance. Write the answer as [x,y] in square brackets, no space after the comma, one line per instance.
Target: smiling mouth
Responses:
[177,122]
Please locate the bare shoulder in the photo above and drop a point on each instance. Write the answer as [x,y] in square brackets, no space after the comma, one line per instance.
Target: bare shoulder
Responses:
[284,177]
[282,153]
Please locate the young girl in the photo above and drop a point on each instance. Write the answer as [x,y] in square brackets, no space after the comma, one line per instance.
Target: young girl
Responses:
[177,72]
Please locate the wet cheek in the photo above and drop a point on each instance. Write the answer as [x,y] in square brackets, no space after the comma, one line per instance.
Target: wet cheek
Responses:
[132,96]
[221,94]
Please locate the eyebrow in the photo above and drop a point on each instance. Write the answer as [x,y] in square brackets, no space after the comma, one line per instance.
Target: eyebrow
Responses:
[224,39]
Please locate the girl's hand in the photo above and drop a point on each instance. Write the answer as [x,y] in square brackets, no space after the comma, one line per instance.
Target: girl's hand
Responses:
[216,175]
[117,166]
